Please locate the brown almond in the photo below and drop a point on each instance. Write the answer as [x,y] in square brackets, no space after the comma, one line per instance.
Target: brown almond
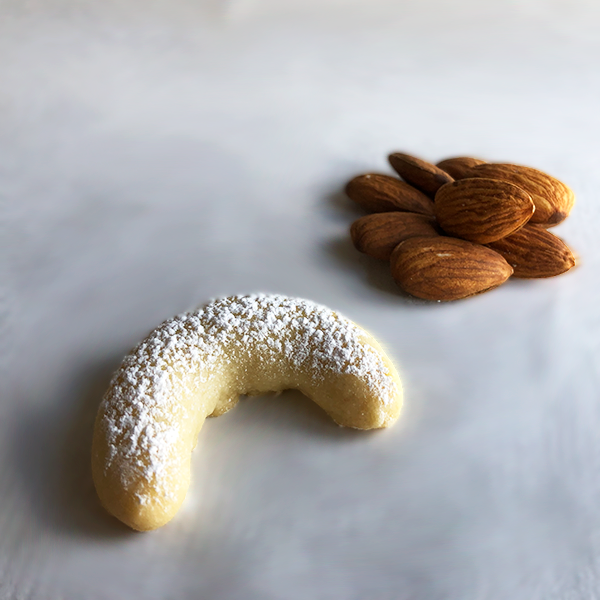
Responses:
[459,167]
[534,252]
[423,175]
[383,193]
[378,234]
[553,199]
[482,210]
[444,268]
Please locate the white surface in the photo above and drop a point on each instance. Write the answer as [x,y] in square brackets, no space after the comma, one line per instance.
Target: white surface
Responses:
[155,155]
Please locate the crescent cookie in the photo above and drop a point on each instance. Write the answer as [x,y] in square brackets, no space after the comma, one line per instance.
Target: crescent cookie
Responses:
[197,364]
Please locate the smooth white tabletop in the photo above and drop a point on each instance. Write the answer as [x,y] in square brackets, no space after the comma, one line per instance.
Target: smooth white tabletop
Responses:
[154,155]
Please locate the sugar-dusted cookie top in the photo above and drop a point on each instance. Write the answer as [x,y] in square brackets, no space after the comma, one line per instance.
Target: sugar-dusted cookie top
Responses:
[198,363]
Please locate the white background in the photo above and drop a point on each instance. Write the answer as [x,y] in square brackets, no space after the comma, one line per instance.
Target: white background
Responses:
[154,155]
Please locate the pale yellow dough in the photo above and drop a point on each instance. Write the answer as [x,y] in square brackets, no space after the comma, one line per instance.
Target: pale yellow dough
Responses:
[197,364]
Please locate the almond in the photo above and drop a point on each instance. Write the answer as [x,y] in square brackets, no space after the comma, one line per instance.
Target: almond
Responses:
[444,268]
[534,252]
[482,210]
[553,199]
[377,235]
[460,166]
[383,193]
[423,175]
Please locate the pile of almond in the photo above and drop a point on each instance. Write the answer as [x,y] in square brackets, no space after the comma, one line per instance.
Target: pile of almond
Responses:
[463,226]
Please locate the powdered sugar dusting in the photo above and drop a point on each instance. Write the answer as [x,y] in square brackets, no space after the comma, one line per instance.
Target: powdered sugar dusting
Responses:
[141,410]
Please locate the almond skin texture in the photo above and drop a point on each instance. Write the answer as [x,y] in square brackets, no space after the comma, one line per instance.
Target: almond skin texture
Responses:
[482,210]
[383,193]
[553,199]
[378,234]
[423,175]
[534,252]
[443,268]
[460,166]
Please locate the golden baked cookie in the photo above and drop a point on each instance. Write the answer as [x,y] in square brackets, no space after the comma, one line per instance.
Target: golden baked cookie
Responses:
[198,363]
